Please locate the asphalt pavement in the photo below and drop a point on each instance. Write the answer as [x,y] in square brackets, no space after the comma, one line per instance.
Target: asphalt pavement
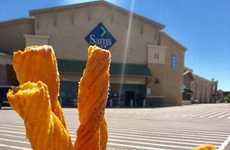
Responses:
[168,128]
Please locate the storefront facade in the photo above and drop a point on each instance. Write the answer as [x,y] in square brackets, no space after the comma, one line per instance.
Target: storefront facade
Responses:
[146,62]
[198,89]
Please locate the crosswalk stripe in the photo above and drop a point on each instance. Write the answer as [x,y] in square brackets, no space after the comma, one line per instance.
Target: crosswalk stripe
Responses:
[14,147]
[184,137]
[159,141]
[120,140]
[197,132]
[14,136]
[109,143]
[137,137]
[206,115]
[152,140]
[184,134]
[13,132]
[216,115]
[164,127]
[157,132]
[201,137]
[167,139]
[145,129]
[165,134]
[198,115]
[12,140]
[224,115]
[152,144]
[133,146]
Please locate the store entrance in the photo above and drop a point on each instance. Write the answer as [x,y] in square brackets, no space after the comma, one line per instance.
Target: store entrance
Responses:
[129,98]
[126,95]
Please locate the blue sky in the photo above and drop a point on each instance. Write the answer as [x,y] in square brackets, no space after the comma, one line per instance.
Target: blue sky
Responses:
[203,27]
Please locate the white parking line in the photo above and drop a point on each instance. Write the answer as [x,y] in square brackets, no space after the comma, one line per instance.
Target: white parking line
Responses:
[225,145]
[160,133]
[220,134]
[134,147]
[15,147]
[214,138]
[153,140]
[224,115]
[127,140]
[11,140]
[151,144]
[216,115]
[166,139]
[208,114]
[13,132]
[14,136]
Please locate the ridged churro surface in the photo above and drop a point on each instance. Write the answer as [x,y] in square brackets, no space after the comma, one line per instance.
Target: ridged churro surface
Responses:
[43,128]
[92,98]
[38,63]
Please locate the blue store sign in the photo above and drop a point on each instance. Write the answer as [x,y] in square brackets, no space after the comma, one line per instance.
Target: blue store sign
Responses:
[101,37]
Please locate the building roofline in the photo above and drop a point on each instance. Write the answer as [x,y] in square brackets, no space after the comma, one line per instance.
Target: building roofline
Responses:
[173,40]
[201,77]
[72,6]
[187,68]
[18,20]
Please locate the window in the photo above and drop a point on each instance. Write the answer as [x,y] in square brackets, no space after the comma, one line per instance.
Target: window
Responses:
[173,62]
[55,19]
[37,24]
[142,29]
[72,18]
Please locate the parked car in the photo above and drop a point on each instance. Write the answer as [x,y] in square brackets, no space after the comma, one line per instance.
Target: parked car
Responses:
[195,101]
[3,98]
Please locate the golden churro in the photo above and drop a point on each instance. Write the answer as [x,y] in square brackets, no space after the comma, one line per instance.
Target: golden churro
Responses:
[43,128]
[93,91]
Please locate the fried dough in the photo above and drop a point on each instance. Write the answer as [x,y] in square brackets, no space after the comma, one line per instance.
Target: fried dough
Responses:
[92,98]
[38,63]
[43,128]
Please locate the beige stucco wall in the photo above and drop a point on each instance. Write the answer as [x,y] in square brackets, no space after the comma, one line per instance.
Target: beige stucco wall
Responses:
[170,81]
[202,89]
[12,33]
[67,30]
[31,40]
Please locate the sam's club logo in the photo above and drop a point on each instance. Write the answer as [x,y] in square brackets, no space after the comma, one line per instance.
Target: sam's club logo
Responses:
[101,37]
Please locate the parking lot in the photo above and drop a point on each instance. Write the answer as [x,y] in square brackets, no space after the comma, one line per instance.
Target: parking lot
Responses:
[168,128]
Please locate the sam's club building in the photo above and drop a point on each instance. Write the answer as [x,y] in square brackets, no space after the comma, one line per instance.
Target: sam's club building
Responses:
[147,64]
